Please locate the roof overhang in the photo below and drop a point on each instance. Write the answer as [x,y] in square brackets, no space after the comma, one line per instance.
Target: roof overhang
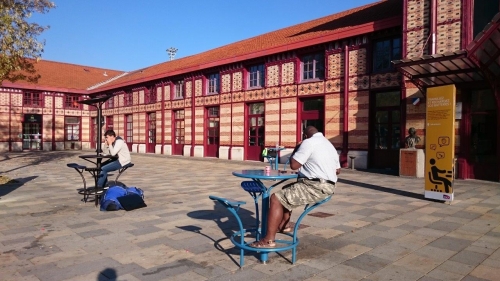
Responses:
[480,61]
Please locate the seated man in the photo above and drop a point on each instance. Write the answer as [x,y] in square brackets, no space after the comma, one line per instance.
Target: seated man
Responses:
[114,146]
[318,164]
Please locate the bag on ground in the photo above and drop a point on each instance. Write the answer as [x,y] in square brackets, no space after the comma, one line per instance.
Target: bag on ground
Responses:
[109,201]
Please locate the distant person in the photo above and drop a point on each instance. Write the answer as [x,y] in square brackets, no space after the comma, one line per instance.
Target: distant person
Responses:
[115,146]
[318,165]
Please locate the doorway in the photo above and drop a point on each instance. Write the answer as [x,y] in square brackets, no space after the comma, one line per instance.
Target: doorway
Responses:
[256,131]
[385,137]
[179,132]
[483,136]
[312,113]
[151,132]
[212,131]
[32,136]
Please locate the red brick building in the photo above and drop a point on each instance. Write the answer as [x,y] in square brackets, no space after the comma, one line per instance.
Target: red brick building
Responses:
[355,75]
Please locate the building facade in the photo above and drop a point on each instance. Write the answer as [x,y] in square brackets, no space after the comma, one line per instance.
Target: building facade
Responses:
[348,74]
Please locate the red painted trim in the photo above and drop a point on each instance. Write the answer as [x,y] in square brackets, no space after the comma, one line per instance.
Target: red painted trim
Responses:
[54,122]
[467,31]
[10,121]
[162,100]
[336,35]
[405,32]
[193,116]
[345,131]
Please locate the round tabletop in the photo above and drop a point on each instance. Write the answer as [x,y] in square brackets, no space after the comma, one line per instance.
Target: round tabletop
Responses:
[94,156]
[263,175]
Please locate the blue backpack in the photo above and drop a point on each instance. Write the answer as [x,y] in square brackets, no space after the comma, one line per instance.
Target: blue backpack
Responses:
[111,199]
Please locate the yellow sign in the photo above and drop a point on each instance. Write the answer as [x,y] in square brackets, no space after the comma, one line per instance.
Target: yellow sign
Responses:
[440,142]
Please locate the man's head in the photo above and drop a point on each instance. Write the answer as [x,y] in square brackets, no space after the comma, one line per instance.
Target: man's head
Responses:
[310,131]
[110,136]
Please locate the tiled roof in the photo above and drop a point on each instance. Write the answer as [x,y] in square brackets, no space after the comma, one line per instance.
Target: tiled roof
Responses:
[65,77]
[244,49]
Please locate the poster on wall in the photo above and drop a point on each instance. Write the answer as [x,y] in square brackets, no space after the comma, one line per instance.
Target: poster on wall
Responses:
[440,142]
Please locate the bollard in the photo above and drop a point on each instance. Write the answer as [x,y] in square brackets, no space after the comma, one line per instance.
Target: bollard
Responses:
[352,161]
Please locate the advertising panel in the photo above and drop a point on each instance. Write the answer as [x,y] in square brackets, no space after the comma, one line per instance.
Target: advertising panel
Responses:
[440,142]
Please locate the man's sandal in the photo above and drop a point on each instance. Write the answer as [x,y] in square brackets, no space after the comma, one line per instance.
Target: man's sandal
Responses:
[287,229]
[263,244]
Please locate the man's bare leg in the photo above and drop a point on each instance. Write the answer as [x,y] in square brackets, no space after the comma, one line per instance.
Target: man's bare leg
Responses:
[274,217]
[286,219]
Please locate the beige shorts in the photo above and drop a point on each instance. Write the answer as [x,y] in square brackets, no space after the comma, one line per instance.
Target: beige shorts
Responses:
[304,192]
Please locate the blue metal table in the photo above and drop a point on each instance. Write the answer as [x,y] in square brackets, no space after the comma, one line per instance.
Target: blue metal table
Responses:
[258,176]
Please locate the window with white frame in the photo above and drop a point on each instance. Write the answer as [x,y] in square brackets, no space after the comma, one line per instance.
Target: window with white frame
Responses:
[72,128]
[178,92]
[313,67]
[213,84]
[256,76]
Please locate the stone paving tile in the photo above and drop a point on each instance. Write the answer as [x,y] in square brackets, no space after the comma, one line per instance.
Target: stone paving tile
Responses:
[381,227]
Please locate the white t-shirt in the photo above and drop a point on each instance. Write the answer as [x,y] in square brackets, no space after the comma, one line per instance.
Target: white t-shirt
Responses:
[318,157]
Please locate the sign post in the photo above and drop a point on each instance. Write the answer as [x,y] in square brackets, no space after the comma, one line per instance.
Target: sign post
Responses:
[440,142]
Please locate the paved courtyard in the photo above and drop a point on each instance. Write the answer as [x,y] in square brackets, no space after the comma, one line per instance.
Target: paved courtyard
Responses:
[376,227]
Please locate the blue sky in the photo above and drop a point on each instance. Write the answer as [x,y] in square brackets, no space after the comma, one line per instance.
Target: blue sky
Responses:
[130,34]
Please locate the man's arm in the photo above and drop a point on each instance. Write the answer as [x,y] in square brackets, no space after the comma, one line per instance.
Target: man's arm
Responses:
[113,150]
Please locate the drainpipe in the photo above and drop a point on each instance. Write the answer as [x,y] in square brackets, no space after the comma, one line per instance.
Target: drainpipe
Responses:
[433,21]
[162,100]
[53,121]
[345,134]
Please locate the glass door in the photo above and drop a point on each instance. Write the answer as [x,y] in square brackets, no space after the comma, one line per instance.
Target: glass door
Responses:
[212,132]
[313,114]
[256,131]
[179,132]
[32,136]
[386,126]
[151,132]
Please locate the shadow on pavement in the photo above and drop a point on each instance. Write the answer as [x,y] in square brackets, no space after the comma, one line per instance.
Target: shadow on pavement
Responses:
[13,184]
[385,189]
[31,158]
[226,222]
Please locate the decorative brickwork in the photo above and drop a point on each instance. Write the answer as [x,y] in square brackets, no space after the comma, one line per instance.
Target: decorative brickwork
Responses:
[272,93]
[158,127]
[288,91]
[141,126]
[198,87]
[187,125]
[212,100]
[47,130]
[273,75]
[226,83]
[168,126]
[189,89]
[225,98]
[118,124]
[86,129]
[385,80]
[357,62]
[225,125]
[334,86]
[59,133]
[135,97]
[237,81]
[359,83]
[417,27]
[59,102]
[198,101]
[141,97]
[254,95]
[16,99]
[272,122]
[4,124]
[335,65]
[36,110]
[4,98]
[238,125]
[311,88]
[288,122]
[448,37]
[358,119]
[199,125]
[159,93]
[168,105]
[178,104]
[188,102]
[334,118]
[288,73]
[166,92]
[238,96]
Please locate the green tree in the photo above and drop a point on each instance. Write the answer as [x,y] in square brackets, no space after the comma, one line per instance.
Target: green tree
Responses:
[19,47]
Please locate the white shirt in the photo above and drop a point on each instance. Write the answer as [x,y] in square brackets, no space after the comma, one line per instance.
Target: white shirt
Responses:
[318,157]
[120,147]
